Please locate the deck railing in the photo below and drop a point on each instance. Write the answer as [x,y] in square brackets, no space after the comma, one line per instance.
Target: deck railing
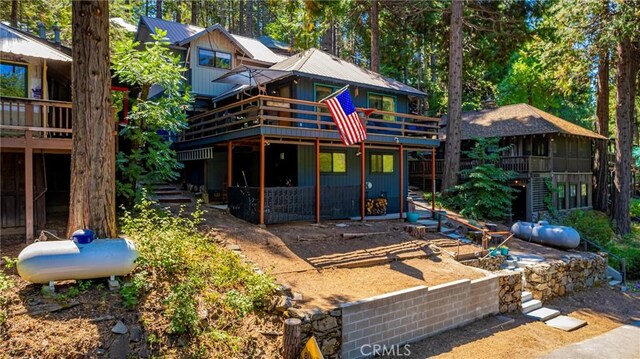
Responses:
[520,164]
[285,112]
[44,118]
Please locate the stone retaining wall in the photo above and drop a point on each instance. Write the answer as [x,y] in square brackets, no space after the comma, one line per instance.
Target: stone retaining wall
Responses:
[573,273]
[325,326]
[488,263]
[510,292]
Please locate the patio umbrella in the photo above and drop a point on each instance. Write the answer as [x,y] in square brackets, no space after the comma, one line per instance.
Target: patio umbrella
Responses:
[252,76]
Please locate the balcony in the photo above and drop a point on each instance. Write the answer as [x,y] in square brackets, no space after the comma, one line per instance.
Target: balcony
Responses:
[297,118]
[518,164]
[35,123]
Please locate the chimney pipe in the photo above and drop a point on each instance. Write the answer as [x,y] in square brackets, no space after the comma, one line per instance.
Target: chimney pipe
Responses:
[41,32]
[56,34]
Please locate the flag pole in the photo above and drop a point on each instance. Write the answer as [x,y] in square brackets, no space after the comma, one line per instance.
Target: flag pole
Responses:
[334,94]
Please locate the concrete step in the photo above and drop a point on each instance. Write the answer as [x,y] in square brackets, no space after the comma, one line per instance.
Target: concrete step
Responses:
[615,282]
[523,264]
[167,193]
[565,323]
[526,296]
[511,262]
[543,314]
[531,305]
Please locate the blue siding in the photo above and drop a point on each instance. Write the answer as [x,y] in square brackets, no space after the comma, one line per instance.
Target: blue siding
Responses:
[387,182]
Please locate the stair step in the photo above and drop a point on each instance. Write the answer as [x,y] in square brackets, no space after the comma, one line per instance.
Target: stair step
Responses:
[543,314]
[531,305]
[526,296]
[167,193]
[523,264]
[615,282]
[174,200]
[566,323]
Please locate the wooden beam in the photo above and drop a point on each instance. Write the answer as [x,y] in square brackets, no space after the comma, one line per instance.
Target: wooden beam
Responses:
[28,176]
[401,184]
[37,143]
[262,149]
[317,180]
[433,181]
[230,164]
[362,182]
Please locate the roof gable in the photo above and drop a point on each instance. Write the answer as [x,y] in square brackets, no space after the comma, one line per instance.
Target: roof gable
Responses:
[15,42]
[319,64]
[518,120]
[182,34]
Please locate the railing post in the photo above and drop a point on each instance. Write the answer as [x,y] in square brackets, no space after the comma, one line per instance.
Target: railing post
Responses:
[260,110]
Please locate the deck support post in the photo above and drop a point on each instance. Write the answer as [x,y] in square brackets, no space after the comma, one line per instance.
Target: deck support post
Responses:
[262,149]
[229,164]
[317,180]
[28,176]
[362,182]
[401,184]
[433,182]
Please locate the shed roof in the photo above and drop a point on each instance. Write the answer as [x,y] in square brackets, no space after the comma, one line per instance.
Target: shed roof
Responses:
[518,120]
[319,64]
[14,42]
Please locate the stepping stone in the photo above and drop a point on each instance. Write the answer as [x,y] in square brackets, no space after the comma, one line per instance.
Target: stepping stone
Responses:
[526,296]
[531,305]
[566,323]
[523,264]
[543,314]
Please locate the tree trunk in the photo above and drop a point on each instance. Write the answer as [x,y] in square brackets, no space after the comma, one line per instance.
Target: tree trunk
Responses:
[241,28]
[179,11]
[624,111]
[195,10]
[600,156]
[14,13]
[249,21]
[291,340]
[375,36]
[454,111]
[432,63]
[92,199]
[159,9]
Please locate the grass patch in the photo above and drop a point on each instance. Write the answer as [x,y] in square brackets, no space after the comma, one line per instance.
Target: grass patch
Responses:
[202,289]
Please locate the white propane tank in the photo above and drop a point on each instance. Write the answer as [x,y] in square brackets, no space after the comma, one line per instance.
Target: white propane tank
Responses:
[43,262]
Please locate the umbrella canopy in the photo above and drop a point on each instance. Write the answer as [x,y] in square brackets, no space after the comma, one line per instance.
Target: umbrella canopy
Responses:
[252,76]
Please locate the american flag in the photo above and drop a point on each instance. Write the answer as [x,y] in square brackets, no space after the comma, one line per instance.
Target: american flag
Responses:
[346,118]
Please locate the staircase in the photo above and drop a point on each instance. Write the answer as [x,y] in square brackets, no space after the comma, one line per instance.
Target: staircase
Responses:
[169,194]
[533,308]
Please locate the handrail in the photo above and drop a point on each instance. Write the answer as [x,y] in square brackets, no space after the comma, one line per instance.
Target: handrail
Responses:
[623,266]
[40,102]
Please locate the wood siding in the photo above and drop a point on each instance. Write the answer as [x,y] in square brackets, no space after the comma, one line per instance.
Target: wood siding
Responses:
[201,76]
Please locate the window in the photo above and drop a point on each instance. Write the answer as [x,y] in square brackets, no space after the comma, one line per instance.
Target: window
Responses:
[540,147]
[323,91]
[13,80]
[384,103]
[333,162]
[573,195]
[381,163]
[561,196]
[584,195]
[210,58]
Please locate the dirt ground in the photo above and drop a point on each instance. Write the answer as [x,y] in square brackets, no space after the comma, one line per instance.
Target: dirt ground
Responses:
[312,258]
[603,308]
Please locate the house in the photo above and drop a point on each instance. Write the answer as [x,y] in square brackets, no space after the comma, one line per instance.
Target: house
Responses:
[259,140]
[35,129]
[552,158]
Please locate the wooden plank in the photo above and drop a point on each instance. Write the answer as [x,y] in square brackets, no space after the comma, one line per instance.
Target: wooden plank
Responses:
[401,184]
[262,165]
[317,180]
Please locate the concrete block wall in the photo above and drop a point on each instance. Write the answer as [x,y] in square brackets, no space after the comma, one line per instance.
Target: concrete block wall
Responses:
[415,313]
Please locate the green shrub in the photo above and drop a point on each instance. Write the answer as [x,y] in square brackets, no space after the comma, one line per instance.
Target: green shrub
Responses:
[634,209]
[202,275]
[631,254]
[592,225]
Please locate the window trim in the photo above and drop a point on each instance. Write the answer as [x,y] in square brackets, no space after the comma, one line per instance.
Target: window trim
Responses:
[395,101]
[382,154]
[215,55]
[332,172]
[27,73]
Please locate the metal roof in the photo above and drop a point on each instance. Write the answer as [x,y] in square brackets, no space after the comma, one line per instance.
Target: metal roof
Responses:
[316,63]
[182,34]
[13,42]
